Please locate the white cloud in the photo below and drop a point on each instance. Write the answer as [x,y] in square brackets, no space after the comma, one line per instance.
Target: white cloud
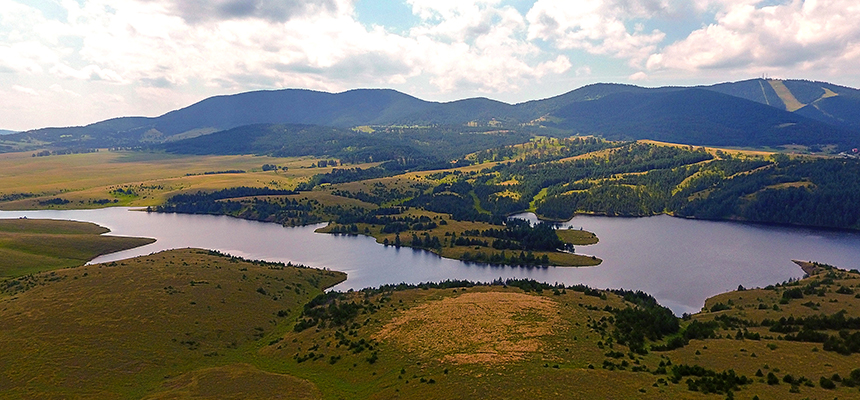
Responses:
[752,37]
[59,89]
[560,65]
[638,76]
[191,49]
[151,56]
[89,72]
[462,21]
[598,26]
[155,42]
[274,10]
[27,39]
[25,90]
[476,45]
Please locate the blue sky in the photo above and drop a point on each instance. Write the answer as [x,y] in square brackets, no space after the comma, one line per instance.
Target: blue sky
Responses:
[73,62]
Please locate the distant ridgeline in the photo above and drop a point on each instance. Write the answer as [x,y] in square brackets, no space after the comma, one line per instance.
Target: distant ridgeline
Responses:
[393,125]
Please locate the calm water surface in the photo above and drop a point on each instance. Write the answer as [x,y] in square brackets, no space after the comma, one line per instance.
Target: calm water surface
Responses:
[680,262]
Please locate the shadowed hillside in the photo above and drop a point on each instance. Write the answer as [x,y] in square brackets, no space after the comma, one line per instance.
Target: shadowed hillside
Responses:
[697,117]
[722,120]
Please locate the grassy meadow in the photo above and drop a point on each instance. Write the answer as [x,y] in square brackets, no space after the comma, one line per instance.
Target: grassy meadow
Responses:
[176,322]
[28,246]
[136,179]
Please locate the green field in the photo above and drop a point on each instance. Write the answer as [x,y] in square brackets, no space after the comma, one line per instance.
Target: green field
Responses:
[137,179]
[28,246]
[133,328]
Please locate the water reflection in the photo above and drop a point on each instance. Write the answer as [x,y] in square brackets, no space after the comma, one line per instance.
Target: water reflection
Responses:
[680,262]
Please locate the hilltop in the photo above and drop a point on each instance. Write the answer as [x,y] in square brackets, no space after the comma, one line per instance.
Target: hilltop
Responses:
[747,113]
[119,330]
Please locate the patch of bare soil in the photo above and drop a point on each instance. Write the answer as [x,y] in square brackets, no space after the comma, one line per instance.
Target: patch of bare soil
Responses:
[486,328]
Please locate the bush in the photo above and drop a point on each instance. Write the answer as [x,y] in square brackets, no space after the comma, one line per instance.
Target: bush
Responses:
[772,379]
[826,383]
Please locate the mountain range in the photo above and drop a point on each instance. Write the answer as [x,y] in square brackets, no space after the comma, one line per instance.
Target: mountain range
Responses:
[757,112]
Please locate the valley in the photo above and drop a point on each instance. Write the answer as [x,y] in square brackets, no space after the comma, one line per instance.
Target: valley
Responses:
[175,324]
[443,179]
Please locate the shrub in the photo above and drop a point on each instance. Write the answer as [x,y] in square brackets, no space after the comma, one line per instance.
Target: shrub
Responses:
[772,379]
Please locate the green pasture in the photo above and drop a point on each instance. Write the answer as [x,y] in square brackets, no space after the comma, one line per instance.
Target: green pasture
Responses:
[28,246]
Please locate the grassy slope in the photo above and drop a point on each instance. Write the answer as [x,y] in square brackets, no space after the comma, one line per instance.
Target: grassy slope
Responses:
[791,103]
[186,323]
[121,330]
[771,353]
[487,342]
[23,248]
[495,342]
[85,178]
[577,237]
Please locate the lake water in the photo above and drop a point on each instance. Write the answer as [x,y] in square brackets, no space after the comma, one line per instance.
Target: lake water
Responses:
[680,262]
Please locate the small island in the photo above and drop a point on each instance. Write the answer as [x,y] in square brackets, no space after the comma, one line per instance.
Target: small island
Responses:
[517,242]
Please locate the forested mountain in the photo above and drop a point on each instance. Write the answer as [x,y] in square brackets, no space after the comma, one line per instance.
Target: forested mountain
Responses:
[409,145]
[290,106]
[698,117]
[747,113]
[591,92]
[295,106]
[757,90]
[840,111]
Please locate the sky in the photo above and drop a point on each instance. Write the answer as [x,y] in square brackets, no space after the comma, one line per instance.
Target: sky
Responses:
[75,62]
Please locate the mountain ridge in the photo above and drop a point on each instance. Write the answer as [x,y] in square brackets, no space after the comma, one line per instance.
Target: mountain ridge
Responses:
[819,103]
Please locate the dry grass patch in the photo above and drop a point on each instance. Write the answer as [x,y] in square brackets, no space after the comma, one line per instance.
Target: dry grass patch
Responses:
[791,103]
[713,150]
[786,185]
[85,178]
[238,381]
[594,154]
[577,237]
[484,328]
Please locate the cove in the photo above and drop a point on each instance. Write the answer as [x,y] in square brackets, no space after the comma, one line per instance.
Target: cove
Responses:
[680,262]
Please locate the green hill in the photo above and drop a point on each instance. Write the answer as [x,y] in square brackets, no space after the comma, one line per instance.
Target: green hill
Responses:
[119,330]
[23,247]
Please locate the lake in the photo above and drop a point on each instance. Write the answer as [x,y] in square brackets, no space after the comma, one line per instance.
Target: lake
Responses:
[680,262]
